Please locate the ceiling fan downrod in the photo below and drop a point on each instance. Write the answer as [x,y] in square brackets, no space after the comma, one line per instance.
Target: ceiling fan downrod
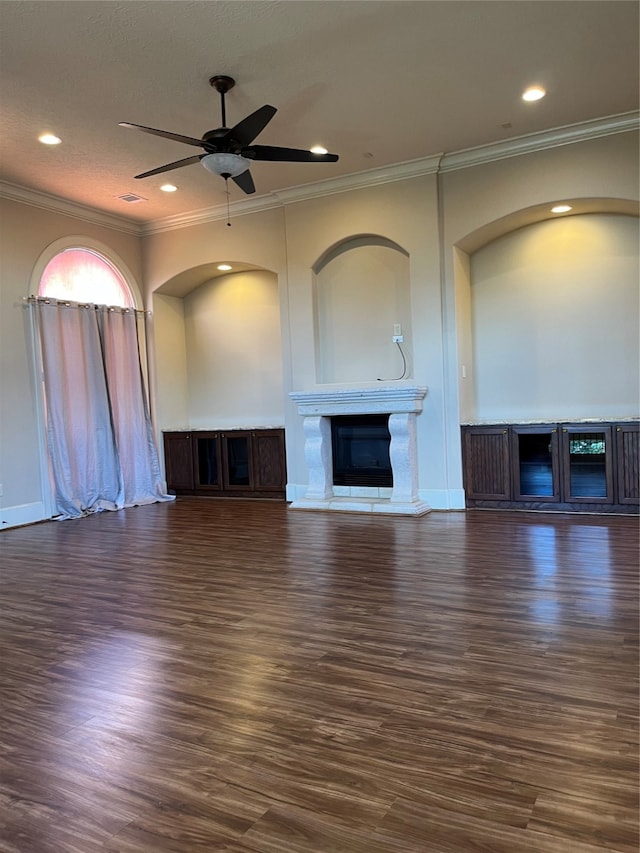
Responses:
[222,84]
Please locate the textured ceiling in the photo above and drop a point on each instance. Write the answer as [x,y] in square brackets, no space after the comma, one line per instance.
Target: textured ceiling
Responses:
[375,82]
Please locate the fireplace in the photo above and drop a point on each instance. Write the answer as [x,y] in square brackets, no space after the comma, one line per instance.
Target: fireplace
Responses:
[360,450]
[398,405]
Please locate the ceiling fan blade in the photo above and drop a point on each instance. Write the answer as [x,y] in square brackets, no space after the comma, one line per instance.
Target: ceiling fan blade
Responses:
[246,131]
[245,182]
[176,165]
[178,137]
[286,155]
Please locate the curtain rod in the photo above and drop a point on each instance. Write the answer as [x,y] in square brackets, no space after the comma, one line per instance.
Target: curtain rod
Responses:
[32,300]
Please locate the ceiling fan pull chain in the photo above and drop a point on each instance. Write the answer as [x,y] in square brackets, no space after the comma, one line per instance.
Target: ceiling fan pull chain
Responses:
[226,184]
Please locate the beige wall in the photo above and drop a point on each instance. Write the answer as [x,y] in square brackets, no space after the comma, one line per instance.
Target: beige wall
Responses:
[440,222]
[169,346]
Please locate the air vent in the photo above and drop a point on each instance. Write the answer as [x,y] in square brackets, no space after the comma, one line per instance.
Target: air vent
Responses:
[131,198]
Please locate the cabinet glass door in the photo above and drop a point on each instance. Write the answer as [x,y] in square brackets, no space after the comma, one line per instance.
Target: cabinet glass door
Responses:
[208,461]
[237,456]
[536,463]
[587,464]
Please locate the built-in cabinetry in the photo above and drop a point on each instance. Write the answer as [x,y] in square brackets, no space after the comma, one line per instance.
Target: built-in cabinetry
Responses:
[226,463]
[588,467]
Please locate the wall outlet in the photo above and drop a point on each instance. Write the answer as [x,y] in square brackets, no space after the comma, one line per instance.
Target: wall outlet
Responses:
[398,339]
[397,329]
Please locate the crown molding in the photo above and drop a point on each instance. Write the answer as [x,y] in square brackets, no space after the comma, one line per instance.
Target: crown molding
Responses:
[304,192]
[491,152]
[255,204]
[517,145]
[357,180]
[44,201]
[488,153]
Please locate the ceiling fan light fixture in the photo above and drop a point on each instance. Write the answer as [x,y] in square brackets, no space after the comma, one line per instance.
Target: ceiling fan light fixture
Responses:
[225,164]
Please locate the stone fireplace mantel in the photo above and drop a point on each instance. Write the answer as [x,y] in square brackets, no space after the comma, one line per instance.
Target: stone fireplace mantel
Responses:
[402,402]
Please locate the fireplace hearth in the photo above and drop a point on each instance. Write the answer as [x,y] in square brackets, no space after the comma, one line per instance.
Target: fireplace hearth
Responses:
[398,405]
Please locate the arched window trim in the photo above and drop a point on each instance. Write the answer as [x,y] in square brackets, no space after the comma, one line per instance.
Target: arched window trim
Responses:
[90,245]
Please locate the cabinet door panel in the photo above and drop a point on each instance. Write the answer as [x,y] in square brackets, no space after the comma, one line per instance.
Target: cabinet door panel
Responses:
[178,460]
[486,463]
[269,460]
[628,463]
[587,464]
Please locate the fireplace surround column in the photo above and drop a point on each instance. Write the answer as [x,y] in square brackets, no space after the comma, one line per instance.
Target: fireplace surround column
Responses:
[317,454]
[403,453]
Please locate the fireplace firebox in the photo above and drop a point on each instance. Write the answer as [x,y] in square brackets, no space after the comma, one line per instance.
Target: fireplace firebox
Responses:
[360,450]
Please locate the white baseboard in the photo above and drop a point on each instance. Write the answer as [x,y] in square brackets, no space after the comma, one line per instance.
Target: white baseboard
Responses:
[435,498]
[15,516]
[443,498]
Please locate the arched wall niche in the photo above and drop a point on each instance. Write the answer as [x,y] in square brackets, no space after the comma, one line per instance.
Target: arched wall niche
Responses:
[218,346]
[547,315]
[361,290]
[187,280]
[353,243]
[490,231]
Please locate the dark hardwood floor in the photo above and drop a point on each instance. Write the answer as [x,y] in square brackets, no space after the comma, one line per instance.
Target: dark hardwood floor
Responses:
[239,677]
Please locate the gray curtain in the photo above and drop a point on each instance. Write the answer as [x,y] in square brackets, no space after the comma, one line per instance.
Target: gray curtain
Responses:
[99,434]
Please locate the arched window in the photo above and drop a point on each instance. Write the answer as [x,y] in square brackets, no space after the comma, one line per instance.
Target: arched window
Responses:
[102,452]
[82,275]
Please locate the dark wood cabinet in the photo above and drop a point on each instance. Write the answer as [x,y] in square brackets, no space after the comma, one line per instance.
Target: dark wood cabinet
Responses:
[237,461]
[583,467]
[536,463]
[587,464]
[269,469]
[178,461]
[228,463]
[207,467]
[487,468]
[627,442]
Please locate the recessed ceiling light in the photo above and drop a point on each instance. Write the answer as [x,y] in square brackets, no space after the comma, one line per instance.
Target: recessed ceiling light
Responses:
[168,188]
[561,208]
[224,267]
[533,93]
[318,149]
[49,139]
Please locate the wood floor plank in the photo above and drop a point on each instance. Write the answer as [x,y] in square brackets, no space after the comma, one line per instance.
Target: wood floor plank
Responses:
[238,677]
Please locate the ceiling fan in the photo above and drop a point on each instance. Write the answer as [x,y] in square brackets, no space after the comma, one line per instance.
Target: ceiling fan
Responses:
[228,152]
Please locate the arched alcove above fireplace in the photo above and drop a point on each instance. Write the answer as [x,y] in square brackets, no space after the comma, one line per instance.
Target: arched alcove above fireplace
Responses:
[361,294]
